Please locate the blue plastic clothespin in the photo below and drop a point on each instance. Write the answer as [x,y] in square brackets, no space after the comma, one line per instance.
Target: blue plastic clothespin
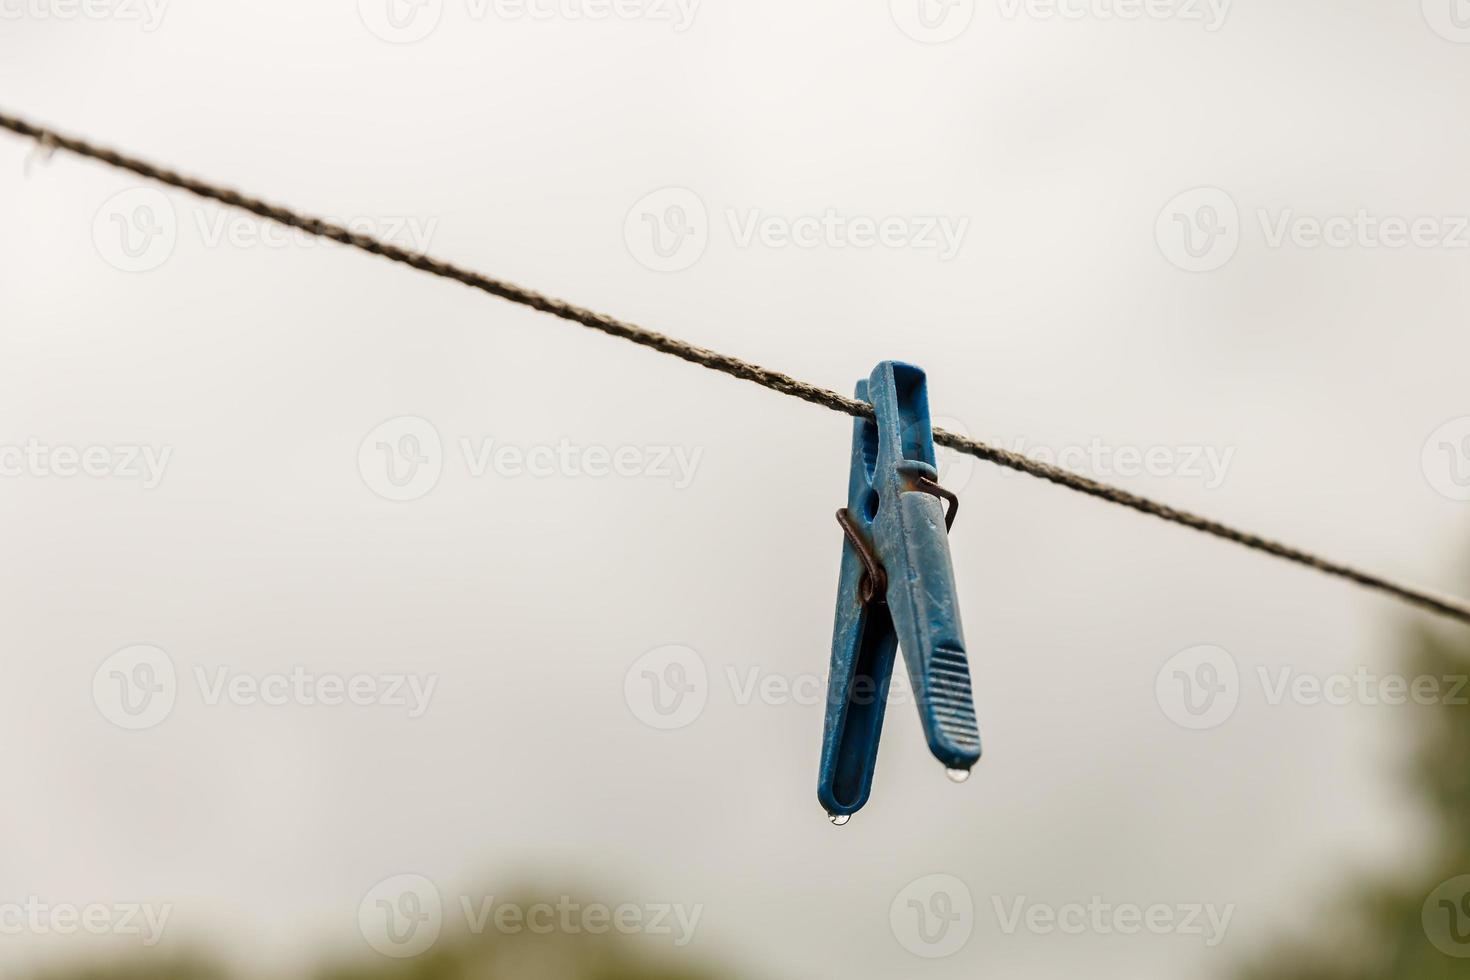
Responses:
[896,590]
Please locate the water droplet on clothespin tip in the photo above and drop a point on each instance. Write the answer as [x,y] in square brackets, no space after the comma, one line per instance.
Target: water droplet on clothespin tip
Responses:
[957,775]
[839,819]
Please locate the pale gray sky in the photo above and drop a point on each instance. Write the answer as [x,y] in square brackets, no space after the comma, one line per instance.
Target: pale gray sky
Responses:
[1037,269]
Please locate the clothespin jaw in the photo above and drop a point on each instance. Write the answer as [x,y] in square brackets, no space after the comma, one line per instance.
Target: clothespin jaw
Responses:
[896,590]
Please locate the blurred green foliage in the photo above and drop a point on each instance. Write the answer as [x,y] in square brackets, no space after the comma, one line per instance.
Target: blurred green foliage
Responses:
[1380,929]
[487,955]
[141,968]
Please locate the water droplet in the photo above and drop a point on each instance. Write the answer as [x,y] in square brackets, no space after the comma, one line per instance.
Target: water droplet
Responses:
[957,775]
[839,819]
